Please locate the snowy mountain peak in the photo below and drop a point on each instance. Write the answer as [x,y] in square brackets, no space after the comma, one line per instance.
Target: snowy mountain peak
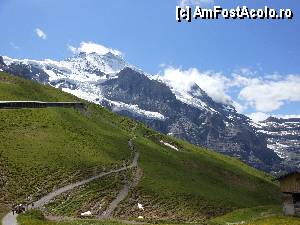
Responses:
[108,63]
[196,91]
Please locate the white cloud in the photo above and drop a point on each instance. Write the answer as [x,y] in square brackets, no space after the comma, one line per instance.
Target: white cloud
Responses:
[269,95]
[72,49]
[184,3]
[287,116]
[214,84]
[40,33]
[240,108]
[263,95]
[260,116]
[90,47]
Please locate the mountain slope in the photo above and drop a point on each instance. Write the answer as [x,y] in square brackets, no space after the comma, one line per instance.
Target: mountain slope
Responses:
[283,137]
[215,125]
[46,148]
[190,115]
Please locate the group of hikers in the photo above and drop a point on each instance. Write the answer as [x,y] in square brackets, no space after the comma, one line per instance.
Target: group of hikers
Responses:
[20,208]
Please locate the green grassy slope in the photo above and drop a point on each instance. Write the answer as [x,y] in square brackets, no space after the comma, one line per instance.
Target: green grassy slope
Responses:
[37,218]
[195,183]
[45,148]
[253,216]
[276,220]
[264,215]
[247,215]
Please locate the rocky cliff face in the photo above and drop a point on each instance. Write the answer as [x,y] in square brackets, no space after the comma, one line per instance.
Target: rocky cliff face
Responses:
[108,80]
[283,137]
[2,64]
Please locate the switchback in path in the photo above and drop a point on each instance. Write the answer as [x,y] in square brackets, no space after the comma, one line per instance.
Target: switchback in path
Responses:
[123,193]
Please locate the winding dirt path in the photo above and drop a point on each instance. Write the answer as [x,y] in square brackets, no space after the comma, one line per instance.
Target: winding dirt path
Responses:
[123,193]
[114,204]
[11,219]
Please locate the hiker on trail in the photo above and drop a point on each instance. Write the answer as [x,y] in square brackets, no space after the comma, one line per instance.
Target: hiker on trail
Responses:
[17,209]
[13,209]
[23,207]
[29,202]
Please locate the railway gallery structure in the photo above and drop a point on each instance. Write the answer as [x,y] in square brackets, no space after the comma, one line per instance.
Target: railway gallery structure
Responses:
[38,104]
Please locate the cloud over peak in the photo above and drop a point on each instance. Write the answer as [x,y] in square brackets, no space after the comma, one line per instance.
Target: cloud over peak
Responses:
[246,90]
[91,47]
[214,84]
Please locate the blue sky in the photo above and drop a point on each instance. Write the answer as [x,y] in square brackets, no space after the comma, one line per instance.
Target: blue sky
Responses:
[265,52]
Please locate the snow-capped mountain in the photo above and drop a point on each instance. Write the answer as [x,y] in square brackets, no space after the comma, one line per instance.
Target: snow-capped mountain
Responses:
[283,137]
[187,113]
[79,75]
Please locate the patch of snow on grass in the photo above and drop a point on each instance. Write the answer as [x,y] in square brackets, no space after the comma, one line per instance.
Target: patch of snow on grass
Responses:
[169,145]
[237,223]
[140,206]
[88,213]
